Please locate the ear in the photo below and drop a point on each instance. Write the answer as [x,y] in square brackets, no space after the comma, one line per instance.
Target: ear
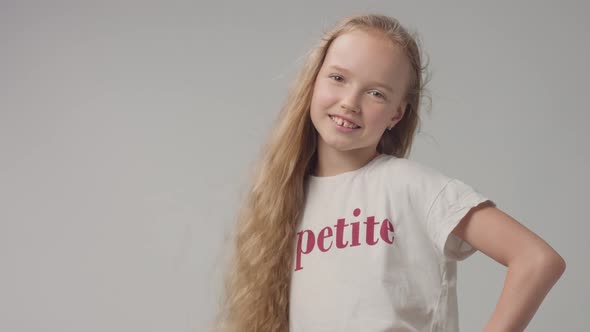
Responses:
[398,114]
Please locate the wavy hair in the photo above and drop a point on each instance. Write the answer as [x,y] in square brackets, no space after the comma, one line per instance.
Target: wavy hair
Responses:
[258,275]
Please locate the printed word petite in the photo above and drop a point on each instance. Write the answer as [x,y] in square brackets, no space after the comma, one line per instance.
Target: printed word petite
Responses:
[323,244]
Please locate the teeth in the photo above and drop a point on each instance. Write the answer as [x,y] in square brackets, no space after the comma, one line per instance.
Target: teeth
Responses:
[342,122]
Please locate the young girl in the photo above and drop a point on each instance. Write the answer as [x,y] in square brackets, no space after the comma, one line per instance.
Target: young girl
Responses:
[341,232]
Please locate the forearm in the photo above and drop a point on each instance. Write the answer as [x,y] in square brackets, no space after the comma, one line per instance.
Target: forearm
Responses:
[525,287]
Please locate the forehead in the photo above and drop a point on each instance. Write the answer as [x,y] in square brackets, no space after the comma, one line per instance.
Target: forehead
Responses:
[369,56]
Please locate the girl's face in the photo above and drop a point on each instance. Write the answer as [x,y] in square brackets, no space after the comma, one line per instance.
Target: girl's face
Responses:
[363,78]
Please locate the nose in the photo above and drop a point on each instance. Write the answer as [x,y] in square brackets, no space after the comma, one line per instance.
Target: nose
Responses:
[350,102]
[346,107]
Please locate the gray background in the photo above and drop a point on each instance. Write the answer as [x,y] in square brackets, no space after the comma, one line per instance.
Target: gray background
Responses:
[127,130]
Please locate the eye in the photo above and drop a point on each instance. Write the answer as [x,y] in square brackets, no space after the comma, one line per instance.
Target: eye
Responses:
[379,94]
[332,76]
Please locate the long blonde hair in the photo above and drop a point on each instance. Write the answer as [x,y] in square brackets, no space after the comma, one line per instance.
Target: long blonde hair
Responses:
[256,283]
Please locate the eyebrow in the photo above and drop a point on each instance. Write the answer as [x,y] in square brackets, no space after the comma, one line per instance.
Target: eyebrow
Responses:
[342,69]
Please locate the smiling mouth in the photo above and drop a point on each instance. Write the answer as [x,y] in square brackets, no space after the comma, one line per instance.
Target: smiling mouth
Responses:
[343,123]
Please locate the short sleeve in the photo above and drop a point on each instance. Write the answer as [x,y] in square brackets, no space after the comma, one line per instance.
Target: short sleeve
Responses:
[449,207]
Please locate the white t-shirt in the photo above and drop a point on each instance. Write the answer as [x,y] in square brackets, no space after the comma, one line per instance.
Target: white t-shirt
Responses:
[374,250]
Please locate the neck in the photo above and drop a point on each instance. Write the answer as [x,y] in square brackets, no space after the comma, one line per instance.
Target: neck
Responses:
[332,162]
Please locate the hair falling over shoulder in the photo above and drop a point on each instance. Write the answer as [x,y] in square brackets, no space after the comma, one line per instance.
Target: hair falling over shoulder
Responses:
[257,276]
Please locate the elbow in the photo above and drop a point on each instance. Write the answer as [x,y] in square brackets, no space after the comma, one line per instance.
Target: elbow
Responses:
[544,260]
[552,262]
[560,264]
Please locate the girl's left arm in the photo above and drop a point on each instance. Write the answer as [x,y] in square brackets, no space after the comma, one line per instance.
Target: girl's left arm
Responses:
[533,266]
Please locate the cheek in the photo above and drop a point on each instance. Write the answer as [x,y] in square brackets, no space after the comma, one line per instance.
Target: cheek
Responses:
[323,98]
[377,119]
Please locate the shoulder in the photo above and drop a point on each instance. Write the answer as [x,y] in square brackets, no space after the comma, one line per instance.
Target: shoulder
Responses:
[418,182]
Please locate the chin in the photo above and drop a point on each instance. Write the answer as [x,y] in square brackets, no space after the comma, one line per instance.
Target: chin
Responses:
[339,144]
